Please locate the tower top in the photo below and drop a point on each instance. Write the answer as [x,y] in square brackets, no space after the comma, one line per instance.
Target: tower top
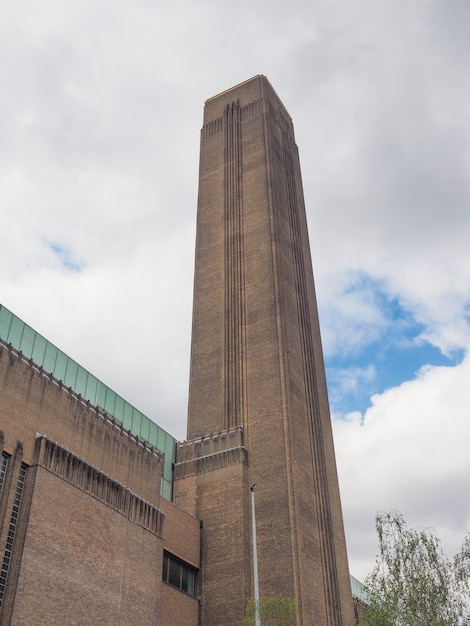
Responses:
[256,88]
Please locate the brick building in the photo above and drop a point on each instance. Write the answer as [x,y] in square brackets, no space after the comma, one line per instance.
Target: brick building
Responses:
[85,532]
[104,517]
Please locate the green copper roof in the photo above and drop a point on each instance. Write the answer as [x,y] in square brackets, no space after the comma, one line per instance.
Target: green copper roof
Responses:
[35,347]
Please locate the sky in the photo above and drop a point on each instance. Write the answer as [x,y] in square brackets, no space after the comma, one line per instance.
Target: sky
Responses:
[100,116]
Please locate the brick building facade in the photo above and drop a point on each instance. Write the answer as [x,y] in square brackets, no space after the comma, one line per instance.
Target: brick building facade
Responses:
[104,518]
[84,528]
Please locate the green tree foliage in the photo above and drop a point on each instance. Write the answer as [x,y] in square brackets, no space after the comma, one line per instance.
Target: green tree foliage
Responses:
[273,611]
[413,583]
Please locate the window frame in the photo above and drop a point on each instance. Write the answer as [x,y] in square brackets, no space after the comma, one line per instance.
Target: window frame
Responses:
[175,569]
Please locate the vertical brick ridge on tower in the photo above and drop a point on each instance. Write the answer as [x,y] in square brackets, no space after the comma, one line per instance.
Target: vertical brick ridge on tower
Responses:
[235,375]
[258,405]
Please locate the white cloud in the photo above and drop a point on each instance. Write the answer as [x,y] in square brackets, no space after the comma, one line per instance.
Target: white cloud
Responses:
[410,453]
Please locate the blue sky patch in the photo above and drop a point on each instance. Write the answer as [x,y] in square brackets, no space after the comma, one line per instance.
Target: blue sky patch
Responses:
[65,257]
[384,359]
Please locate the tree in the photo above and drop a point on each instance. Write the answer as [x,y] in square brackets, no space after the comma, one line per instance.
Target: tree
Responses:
[413,583]
[273,611]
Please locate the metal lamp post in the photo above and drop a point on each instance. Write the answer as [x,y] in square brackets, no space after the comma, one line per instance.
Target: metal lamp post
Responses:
[255,556]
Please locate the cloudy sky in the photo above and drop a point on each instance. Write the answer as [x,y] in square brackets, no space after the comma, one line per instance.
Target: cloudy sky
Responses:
[100,115]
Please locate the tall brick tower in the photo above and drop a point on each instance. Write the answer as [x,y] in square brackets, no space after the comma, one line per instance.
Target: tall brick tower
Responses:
[258,405]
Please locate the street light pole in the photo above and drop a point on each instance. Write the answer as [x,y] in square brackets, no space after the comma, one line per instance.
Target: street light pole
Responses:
[255,556]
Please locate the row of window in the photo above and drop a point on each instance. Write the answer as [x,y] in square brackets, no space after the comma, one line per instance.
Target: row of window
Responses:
[11,532]
[179,574]
[3,469]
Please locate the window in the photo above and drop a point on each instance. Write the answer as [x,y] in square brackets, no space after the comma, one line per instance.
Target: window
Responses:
[178,573]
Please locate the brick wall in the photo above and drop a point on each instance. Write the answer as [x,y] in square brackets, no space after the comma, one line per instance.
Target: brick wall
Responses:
[90,536]
[84,563]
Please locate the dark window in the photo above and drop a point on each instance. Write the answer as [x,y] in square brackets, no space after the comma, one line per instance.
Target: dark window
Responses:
[174,573]
[187,580]
[178,573]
